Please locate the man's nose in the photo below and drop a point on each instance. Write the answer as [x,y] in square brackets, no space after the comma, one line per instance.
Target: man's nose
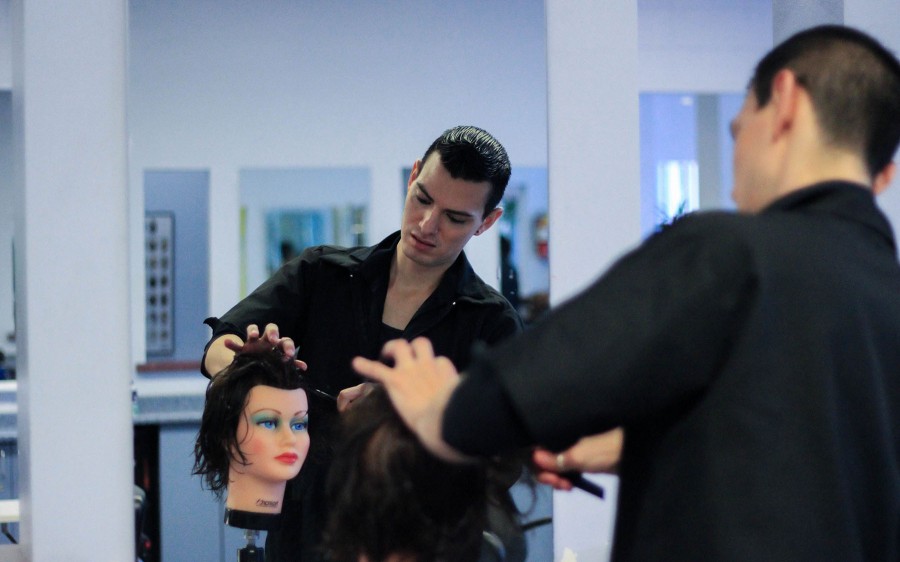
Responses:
[429,221]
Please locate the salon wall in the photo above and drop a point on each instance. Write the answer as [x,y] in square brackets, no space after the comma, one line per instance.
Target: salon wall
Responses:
[704,46]
[180,293]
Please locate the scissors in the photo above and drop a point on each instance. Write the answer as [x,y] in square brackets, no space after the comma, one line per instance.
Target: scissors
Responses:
[314,390]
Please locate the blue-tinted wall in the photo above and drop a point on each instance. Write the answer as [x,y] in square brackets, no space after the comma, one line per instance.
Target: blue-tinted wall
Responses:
[185,194]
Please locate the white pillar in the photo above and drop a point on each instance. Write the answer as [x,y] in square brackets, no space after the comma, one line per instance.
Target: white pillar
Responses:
[879,18]
[594,199]
[594,149]
[790,16]
[72,302]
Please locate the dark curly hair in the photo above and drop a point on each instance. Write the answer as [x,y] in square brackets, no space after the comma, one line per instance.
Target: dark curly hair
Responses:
[226,397]
[389,495]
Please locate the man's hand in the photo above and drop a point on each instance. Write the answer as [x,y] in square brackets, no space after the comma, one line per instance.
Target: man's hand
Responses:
[222,351]
[595,453]
[419,385]
[348,396]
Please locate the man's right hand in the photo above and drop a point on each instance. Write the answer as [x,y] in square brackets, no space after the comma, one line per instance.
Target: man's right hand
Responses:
[223,349]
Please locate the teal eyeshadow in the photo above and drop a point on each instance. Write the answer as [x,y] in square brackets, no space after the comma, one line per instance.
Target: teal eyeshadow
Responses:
[256,418]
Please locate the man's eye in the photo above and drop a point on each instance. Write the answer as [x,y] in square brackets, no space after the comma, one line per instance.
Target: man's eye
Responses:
[422,200]
[456,220]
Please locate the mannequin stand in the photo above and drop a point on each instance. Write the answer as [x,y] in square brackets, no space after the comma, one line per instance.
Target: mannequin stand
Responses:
[251,552]
[252,523]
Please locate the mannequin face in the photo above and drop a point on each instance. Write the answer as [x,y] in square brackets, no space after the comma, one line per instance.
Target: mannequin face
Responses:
[272,433]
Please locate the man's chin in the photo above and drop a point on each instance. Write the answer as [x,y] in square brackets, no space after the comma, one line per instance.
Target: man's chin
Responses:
[418,257]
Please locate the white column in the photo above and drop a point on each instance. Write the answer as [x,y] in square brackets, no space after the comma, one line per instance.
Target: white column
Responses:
[594,200]
[72,303]
[790,16]
[879,18]
[594,149]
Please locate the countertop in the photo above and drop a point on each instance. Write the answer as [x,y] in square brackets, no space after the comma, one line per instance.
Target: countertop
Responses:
[160,409]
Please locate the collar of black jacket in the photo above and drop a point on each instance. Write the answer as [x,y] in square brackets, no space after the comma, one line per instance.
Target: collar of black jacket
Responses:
[373,263]
[851,201]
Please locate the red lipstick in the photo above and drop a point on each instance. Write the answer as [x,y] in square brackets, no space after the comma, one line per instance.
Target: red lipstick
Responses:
[287,458]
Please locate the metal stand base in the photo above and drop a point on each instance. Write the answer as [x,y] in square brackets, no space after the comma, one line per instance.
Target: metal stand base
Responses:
[252,523]
[251,552]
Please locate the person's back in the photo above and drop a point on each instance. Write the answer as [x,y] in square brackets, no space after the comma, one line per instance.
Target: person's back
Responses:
[788,451]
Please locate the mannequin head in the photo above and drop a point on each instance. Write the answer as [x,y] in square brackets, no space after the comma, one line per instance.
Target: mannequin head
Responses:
[253,434]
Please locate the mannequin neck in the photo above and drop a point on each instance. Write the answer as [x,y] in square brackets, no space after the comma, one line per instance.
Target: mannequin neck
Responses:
[247,492]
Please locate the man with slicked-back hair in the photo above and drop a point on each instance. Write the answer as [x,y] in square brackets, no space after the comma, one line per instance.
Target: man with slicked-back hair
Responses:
[330,304]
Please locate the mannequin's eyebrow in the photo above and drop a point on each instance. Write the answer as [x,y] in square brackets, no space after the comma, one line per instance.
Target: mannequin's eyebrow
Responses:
[266,410]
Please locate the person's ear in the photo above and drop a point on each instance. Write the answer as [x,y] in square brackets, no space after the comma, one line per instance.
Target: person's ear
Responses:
[416,169]
[489,220]
[884,178]
[784,100]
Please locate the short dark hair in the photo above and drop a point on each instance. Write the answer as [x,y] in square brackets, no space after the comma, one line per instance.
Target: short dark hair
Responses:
[389,495]
[226,397]
[854,83]
[472,154]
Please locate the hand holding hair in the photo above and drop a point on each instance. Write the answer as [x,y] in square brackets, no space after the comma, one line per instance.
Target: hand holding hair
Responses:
[419,385]
[261,343]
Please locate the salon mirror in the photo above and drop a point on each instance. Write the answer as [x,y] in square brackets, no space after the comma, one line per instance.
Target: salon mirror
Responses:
[269,126]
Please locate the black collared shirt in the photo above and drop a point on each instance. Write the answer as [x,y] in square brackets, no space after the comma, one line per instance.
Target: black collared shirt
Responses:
[330,301]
